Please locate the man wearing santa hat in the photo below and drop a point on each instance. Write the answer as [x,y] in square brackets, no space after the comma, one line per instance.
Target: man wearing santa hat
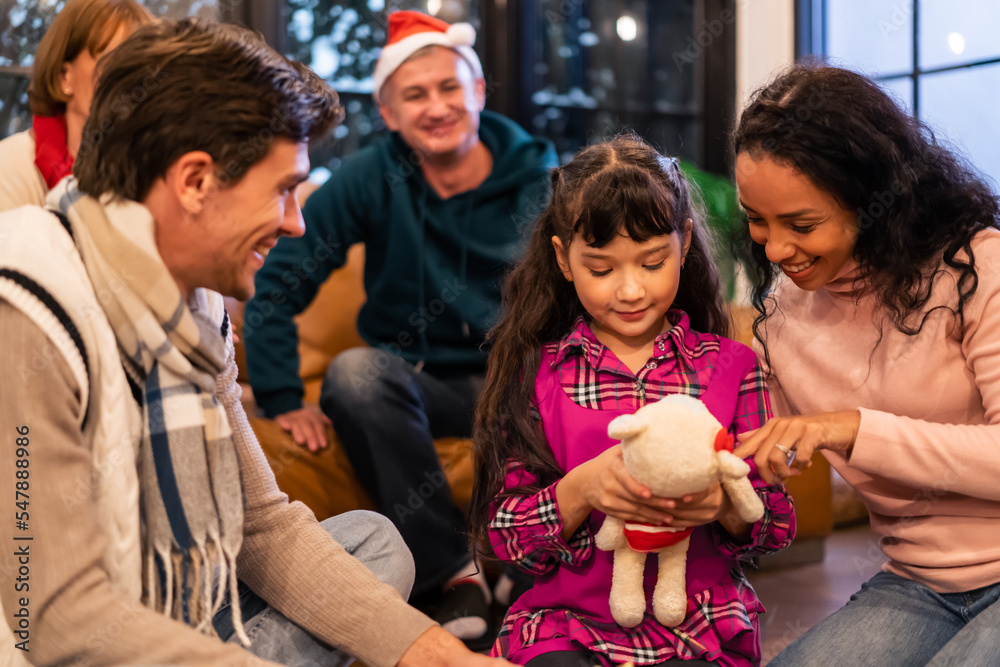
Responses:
[441,206]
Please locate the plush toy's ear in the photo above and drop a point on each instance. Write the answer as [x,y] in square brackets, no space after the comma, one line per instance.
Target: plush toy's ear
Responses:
[723,441]
[626,426]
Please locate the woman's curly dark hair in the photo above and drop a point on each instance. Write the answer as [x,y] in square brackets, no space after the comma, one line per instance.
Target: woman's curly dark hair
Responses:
[918,204]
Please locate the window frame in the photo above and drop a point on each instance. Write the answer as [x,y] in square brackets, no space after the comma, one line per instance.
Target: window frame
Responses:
[811,40]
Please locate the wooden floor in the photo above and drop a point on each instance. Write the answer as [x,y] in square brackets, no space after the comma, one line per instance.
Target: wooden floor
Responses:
[798,597]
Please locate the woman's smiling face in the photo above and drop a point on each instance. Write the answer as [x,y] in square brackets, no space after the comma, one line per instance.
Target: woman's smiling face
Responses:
[803,229]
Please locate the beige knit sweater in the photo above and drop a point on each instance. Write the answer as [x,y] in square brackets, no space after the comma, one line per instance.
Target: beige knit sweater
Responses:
[76,615]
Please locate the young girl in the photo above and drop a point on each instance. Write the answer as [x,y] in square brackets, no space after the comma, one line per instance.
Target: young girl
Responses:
[602,316]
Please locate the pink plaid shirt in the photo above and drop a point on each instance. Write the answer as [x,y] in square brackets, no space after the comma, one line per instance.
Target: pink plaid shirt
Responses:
[568,607]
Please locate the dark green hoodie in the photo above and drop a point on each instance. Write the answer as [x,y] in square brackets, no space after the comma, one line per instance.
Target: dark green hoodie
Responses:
[433,267]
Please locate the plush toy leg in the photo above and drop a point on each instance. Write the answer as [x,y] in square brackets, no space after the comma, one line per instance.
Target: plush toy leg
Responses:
[670,594]
[611,535]
[745,499]
[628,601]
[738,487]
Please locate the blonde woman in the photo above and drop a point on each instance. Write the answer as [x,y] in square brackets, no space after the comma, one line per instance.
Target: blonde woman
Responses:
[62,83]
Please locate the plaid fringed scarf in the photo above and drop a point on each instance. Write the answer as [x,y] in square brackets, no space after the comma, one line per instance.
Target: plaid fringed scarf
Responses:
[190,493]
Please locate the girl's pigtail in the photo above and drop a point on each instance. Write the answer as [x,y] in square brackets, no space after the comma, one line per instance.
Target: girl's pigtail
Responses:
[700,293]
[538,303]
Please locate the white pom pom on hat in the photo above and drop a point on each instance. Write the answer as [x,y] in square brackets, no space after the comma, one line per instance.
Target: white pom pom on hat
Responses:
[461,34]
[410,31]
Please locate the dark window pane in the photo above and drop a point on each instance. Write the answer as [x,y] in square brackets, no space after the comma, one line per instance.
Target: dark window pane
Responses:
[953,33]
[673,50]
[870,36]
[599,55]
[15,115]
[572,128]
[22,26]
[607,67]
[963,105]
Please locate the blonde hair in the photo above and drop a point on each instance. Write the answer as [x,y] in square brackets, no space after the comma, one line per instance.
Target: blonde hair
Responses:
[82,24]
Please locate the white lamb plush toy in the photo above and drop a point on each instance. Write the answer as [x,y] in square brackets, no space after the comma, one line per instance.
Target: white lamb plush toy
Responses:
[675,447]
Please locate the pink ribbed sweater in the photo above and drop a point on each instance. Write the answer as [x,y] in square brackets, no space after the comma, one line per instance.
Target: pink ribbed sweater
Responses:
[927,456]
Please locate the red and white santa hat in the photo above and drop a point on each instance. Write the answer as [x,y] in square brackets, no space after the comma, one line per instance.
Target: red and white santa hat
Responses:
[411,31]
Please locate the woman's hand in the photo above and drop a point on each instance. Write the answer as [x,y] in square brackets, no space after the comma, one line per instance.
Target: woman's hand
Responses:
[800,435]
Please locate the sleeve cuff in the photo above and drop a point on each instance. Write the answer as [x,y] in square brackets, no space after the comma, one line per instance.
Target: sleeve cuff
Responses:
[395,637]
[278,404]
[528,531]
[580,544]
[773,532]
[868,453]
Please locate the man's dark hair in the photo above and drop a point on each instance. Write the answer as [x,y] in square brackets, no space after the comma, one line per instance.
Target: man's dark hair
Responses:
[191,85]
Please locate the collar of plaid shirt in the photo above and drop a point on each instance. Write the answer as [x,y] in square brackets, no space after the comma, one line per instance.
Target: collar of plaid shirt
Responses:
[679,339]
[595,378]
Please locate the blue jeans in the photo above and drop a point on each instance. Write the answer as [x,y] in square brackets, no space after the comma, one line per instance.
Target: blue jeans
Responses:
[387,415]
[893,621]
[367,536]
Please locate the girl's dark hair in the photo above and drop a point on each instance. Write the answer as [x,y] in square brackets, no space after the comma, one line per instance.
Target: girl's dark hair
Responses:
[621,186]
[917,203]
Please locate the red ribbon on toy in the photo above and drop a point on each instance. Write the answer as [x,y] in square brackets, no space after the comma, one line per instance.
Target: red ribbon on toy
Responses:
[646,542]
[724,441]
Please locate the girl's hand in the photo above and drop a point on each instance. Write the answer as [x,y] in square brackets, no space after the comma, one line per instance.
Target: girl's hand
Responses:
[604,484]
[697,509]
[801,435]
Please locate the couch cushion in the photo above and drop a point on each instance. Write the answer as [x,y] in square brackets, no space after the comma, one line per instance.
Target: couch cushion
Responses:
[324,480]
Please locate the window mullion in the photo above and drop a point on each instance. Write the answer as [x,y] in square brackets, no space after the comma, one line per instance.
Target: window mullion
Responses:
[916,58]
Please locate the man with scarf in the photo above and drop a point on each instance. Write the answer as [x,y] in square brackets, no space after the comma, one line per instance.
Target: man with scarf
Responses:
[149,529]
